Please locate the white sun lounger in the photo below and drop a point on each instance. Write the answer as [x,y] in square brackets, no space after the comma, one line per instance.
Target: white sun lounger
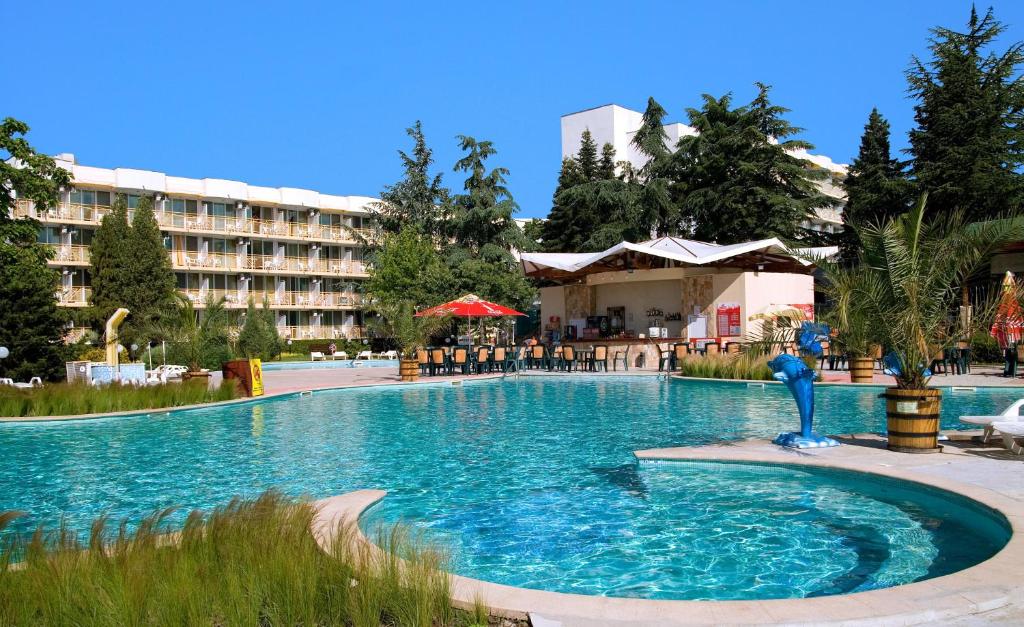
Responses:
[316,356]
[1010,414]
[390,355]
[1011,430]
[365,355]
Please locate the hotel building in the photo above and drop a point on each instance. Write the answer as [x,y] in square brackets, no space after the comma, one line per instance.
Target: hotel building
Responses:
[298,249]
[617,125]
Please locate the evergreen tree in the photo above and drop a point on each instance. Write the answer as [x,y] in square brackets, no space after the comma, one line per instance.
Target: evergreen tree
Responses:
[650,139]
[408,267]
[110,256]
[32,327]
[152,285]
[564,230]
[419,199]
[587,157]
[606,168]
[259,337]
[736,180]
[876,186]
[661,214]
[967,145]
[482,215]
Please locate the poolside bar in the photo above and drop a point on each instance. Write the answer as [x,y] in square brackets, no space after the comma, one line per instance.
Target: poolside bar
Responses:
[650,295]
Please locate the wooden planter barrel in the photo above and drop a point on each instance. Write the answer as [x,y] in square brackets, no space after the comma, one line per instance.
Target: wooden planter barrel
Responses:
[912,420]
[409,369]
[862,369]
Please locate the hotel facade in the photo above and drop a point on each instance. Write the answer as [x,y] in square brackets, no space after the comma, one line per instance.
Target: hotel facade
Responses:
[298,249]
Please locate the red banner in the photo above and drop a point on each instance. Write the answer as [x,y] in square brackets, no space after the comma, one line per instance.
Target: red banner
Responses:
[728,317]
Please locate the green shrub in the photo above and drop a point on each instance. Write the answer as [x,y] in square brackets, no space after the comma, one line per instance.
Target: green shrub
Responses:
[63,399]
[985,348]
[251,562]
[741,366]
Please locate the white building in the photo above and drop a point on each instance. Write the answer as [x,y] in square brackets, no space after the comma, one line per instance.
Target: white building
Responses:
[298,249]
[617,126]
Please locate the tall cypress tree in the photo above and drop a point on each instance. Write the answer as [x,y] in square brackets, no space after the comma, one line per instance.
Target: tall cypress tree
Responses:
[152,279]
[968,142]
[876,185]
[110,257]
[654,198]
[587,157]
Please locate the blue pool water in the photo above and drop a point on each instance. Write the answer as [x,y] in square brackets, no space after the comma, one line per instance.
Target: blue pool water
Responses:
[336,363]
[532,482]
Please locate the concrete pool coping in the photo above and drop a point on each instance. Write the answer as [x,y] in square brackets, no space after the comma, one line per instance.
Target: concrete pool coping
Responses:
[988,587]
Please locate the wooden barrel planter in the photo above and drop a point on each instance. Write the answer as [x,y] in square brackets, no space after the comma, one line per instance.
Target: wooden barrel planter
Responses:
[409,369]
[862,369]
[912,420]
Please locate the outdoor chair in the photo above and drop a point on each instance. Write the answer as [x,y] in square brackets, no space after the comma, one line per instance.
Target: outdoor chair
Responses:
[598,358]
[939,361]
[620,355]
[423,358]
[679,352]
[711,349]
[826,349]
[665,358]
[733,348]
[537,357]
[482,359]
[567,360]
[501,358]
[439,363]
[1010,414]
[460,359]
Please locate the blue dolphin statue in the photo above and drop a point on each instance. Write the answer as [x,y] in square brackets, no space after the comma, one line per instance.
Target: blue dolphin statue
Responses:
[792,371]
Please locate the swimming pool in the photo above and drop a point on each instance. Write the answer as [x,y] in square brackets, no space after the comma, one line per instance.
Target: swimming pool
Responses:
[337,363]
[531,481]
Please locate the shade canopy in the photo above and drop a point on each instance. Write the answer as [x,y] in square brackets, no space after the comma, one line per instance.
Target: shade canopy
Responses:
[470,306]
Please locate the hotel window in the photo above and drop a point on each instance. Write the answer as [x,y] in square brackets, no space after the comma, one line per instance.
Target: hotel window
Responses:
[90,198]
[182,209]
[296,284]
[49,235]
[219,246]
[223,282]
[296,250]
[218,212]
[192,244]
[262,247]
[81,237]
[132,200]
[80,277]
[187,281]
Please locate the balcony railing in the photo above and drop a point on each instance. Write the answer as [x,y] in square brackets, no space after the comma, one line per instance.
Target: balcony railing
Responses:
[69,254]
[319,332]
[266,263]
[300,300]
[220,225]
[73,296]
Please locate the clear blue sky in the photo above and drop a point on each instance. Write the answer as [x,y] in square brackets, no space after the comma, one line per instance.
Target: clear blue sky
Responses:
[318,95]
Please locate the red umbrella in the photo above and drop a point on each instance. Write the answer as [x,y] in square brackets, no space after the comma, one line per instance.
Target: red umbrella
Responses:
[470,306]
[1009,323]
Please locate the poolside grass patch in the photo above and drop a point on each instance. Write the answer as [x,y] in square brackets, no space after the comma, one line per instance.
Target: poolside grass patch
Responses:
[63,399]
[741,366]
[251,562]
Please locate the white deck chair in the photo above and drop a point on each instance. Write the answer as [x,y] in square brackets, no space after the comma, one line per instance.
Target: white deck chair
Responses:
[1011,430]
[1010,414]
[364,355]
[316,356]
[6,381]
[390,355]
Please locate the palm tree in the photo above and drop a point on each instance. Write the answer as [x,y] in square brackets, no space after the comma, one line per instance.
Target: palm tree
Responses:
[397,320]
[912,274]
[195,337]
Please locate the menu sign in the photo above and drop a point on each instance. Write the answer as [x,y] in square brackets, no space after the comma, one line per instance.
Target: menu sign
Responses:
[728,316]
[807,308]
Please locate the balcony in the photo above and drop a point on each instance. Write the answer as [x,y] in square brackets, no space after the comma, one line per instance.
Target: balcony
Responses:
[237,299]
[69,255]
[265,264]
[318,332]
[73,296]
[67,213]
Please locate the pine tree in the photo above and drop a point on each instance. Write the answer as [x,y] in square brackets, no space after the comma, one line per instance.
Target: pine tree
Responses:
[152,284]
[564,231]
[259,337]
[967,145]
[736,181]
[876,185]
[32,327]
[654,196]
[650,138]
[606,169]
[418,199]
[587,157]
[110,257]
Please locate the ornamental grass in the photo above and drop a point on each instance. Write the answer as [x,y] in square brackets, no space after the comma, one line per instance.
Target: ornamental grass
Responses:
[63,399]
[251,562]
[726,366]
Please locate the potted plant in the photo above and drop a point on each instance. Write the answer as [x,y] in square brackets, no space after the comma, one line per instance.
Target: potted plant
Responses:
[850,318]
[913,273]
[195,337]
[397,320]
